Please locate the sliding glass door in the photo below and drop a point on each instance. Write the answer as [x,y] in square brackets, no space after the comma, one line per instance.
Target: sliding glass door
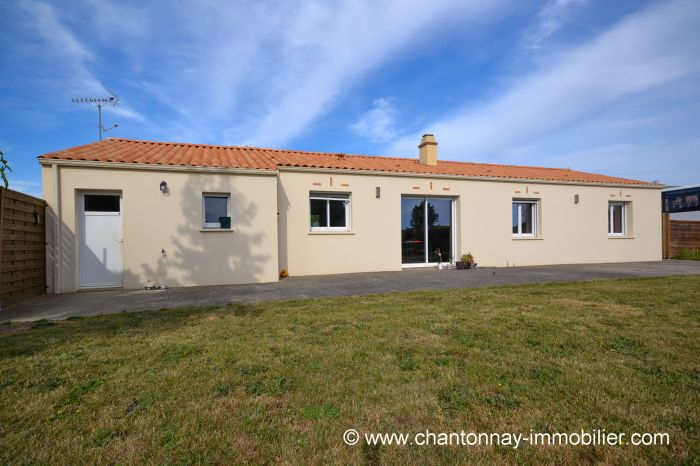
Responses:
[426,230]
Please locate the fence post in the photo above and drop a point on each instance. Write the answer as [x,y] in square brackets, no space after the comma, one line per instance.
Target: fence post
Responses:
[2,195]
[666,241]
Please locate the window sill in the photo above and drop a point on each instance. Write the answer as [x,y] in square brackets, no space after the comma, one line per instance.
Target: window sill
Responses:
[620,237]
[331,232]
[527,238]
[218,230]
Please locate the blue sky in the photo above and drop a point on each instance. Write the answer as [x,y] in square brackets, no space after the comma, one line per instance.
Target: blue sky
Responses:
[609,87]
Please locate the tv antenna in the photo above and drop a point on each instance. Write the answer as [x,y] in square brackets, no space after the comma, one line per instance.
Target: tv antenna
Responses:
[100,102]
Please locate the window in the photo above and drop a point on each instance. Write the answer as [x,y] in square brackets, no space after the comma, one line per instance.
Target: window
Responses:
[216,211]
[524,218]
[329,212]
[617,218]
[101,203]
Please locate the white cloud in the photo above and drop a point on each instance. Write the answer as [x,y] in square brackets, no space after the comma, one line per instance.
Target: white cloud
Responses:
[641,56]
[550,19]
[256,73]
[325,49]
[378,123]
[68,62]
[31,187]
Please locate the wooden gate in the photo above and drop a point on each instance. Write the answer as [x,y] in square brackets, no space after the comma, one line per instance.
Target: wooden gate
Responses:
[22,246]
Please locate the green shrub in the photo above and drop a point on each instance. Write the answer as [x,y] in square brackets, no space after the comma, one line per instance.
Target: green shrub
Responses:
[688,254]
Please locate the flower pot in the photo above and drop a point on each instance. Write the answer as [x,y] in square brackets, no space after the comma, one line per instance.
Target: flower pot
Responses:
[460,265]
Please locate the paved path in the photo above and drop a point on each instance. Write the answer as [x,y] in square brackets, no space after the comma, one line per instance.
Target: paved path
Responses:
[86,303]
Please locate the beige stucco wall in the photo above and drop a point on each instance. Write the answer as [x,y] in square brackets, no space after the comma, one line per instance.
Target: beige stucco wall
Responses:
[153,221]
[568,232]
[261,244]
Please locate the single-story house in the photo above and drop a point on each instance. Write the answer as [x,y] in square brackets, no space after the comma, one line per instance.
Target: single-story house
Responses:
[130,213]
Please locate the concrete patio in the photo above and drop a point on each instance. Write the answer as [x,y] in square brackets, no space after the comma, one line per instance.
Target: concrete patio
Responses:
[57,307]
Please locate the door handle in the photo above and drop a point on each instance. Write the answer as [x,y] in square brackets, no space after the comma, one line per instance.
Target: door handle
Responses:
[120,240]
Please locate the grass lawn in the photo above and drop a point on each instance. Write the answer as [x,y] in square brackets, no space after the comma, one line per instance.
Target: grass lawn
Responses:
[282,381]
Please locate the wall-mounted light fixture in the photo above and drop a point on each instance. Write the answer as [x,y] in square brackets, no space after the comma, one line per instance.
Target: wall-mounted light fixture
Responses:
[575,198]
[164,187]
[378,192]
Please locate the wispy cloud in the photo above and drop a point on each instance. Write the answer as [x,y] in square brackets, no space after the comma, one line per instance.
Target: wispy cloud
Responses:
[279,73]
[255,73]
[639,57]
[31,187]
[325,49]
[550,19]
[67,62]
[259,73]
[378,124]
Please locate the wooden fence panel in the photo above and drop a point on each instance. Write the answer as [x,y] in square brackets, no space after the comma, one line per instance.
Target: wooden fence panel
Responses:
[22,246]
[665,233]
[683,234]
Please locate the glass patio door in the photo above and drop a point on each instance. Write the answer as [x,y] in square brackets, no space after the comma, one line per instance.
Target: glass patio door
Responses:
[426,228]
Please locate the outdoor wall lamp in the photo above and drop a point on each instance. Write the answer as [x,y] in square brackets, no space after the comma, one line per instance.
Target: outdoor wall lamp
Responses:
[164,187]
[575,198]
[378,192]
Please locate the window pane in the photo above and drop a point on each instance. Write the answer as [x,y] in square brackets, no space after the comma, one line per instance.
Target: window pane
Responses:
[412,230]
[338,213]
[439,230]
[527,218]
[215,207]
[101,203]
[319,216]
[515,218]
[617,219]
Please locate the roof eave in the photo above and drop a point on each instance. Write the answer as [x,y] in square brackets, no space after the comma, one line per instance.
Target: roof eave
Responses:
[156,167]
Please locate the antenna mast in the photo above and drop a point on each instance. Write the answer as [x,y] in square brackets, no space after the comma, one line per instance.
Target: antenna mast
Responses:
[99,102]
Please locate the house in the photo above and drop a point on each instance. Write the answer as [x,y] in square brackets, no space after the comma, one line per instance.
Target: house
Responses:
[139,213]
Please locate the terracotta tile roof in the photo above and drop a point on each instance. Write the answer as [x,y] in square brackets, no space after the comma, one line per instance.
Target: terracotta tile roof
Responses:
[200,155]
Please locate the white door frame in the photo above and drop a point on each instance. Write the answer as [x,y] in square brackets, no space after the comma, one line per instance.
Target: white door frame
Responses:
[81,232]
[453,230]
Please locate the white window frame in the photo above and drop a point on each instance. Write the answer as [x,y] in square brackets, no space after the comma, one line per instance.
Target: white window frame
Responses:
[453,231]
[331,197]
[611,222]
[535,217]
[206,224]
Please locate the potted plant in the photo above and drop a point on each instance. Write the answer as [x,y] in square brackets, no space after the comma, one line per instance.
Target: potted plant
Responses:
[315,220]
[466,261]
[439,254]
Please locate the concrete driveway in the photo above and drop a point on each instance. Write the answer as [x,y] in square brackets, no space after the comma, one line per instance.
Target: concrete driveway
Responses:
[57,307]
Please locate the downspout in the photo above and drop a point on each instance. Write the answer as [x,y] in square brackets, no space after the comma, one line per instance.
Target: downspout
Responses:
[57,229]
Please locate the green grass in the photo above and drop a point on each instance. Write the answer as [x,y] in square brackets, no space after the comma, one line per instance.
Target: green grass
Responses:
[281,382]
[688,254]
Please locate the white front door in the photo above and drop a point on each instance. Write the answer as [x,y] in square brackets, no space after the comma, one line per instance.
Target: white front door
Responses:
[101,240]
